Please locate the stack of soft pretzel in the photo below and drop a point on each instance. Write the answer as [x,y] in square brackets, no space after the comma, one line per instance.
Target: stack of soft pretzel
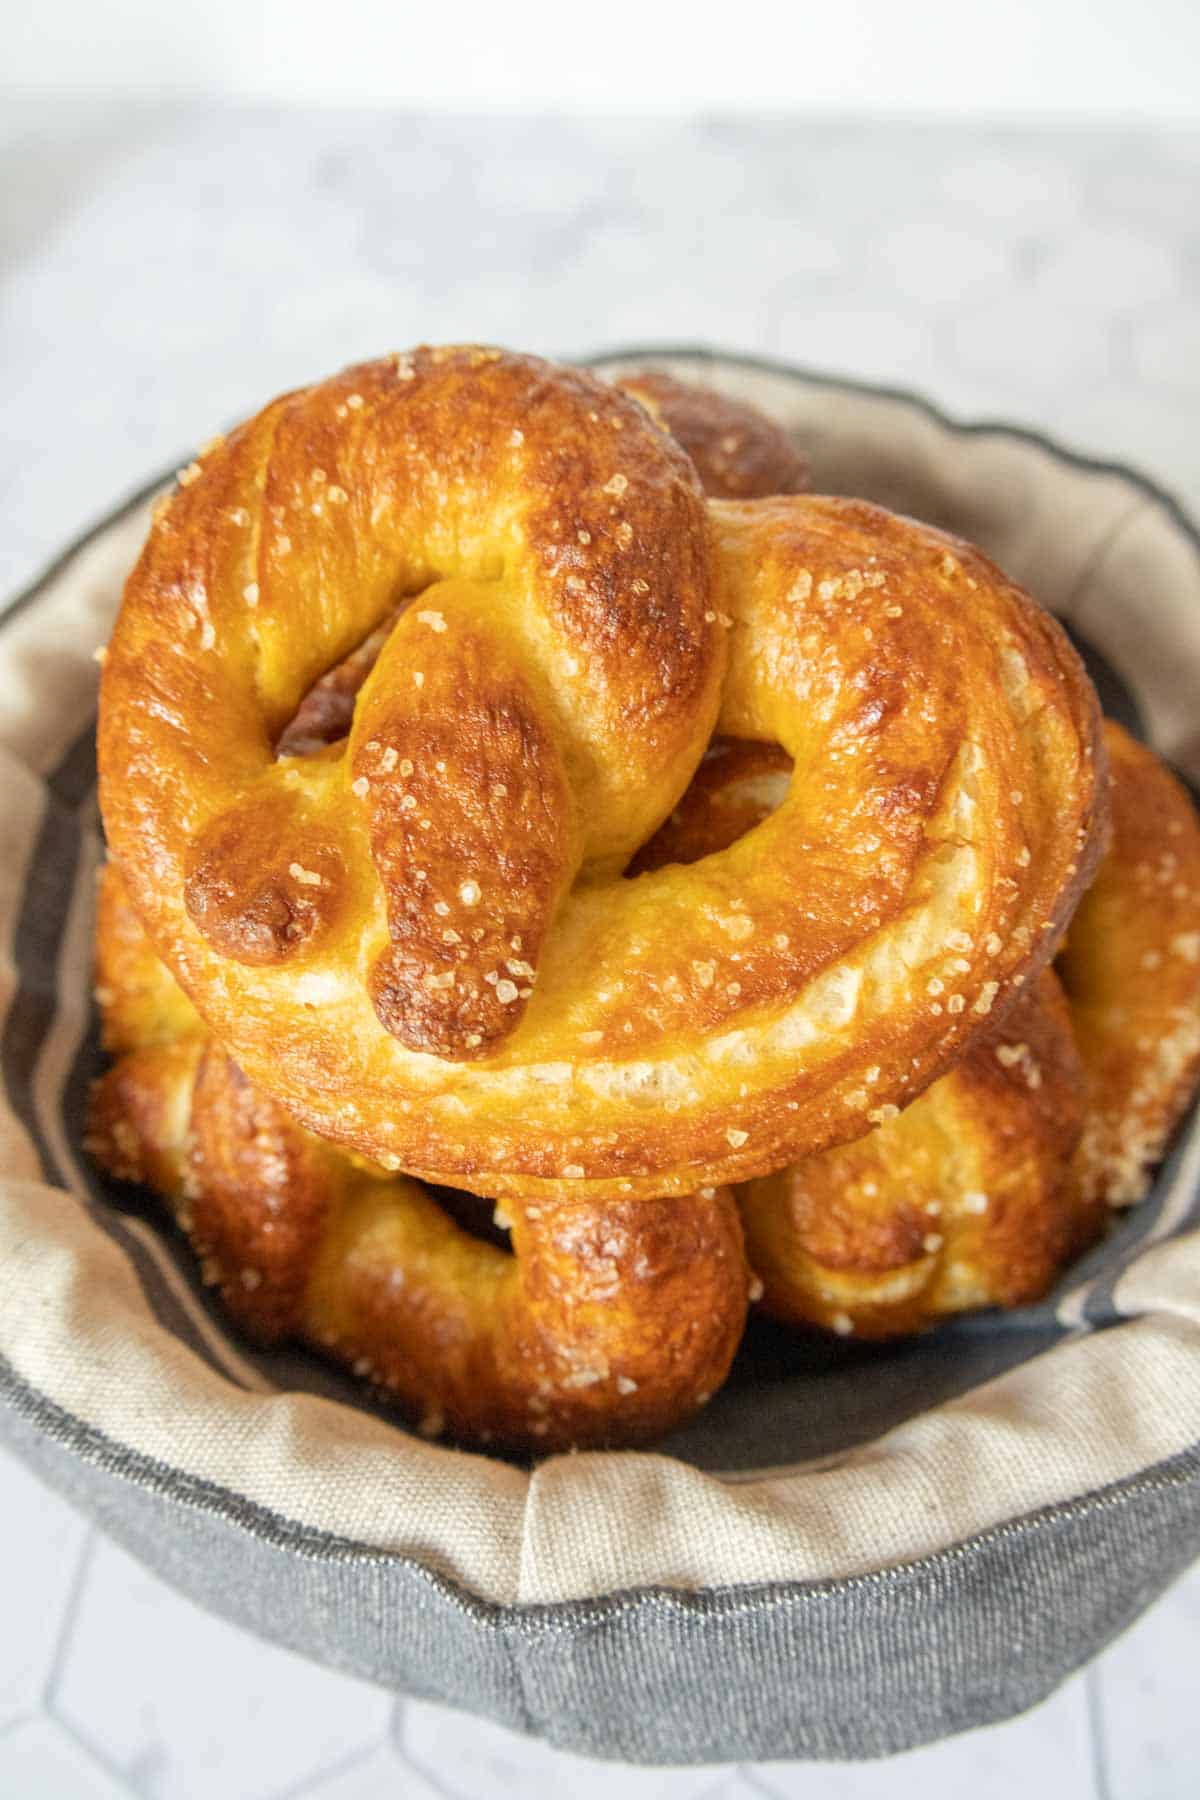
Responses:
[522,785]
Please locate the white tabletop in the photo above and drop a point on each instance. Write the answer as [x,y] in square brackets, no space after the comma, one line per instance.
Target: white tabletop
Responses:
[163,271]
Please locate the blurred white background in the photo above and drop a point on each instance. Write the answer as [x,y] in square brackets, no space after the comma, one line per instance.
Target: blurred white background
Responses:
[200,205]
[926,58]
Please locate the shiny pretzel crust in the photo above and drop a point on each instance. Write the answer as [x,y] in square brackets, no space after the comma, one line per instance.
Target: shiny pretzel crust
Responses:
[681,1029]
[739,453]
[980,1192]
[609,1323]
[976,1195]
[964,1201]
[1131,968]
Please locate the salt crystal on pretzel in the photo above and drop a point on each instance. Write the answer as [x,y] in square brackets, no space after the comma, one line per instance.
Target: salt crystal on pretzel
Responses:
[570,698]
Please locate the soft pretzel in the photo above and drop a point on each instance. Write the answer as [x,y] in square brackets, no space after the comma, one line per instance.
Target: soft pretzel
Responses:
[608,1323]
[981,1190]
[1131,968]
[528,1348]
[739,453]
[971,1197]
[421,941]
[964,1201]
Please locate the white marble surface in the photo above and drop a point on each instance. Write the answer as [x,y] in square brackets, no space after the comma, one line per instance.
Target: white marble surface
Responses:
[163,270]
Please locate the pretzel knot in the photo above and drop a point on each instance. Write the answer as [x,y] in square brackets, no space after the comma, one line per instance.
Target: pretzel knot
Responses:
[599,1324]
[422,938]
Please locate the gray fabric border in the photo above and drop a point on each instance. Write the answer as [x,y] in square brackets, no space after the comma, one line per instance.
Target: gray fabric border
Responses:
[839,1670]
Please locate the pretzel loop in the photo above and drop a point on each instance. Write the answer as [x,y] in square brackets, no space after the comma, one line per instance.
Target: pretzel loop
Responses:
[422,941]
[487,723]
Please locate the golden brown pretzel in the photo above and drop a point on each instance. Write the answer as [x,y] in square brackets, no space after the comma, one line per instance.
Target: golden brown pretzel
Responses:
[1131,968]
[582,617]
[980,1191]
[739,453]
[611,1322]
[962,1201]
[971,1197]
[966,1200]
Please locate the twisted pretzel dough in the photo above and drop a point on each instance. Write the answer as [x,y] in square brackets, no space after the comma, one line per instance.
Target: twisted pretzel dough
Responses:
[609,1323]
[982,1189]
[421,942]
[738,453]
[612,1323]
[965,1200]
[606,1324]
[1131,968]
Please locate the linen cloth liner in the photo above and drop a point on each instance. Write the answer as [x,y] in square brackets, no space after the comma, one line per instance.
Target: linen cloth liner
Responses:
[98,1319]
